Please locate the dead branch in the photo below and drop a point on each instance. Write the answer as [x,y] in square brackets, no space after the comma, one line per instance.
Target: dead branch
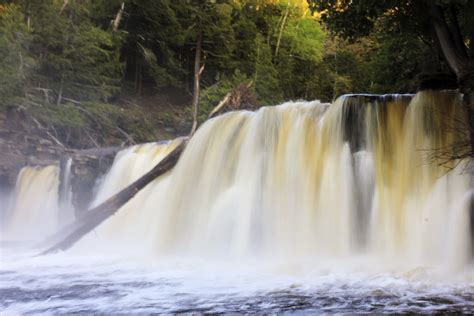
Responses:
[64,6]
[54,139]
[127,136]
[71,100]
[220,105]
[240,98]
[92,139]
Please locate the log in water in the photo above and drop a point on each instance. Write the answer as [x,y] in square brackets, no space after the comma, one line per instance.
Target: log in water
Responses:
[303,206]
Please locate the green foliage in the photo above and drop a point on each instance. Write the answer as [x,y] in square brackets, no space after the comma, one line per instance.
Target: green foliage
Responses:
[134,120]
[153,35]
[75,58]
[98,119]
[305,39]
[406,36]
[398,62]
[341,70]
[353,19]
[74,55]
[67,116]
[15,63]
[265,74]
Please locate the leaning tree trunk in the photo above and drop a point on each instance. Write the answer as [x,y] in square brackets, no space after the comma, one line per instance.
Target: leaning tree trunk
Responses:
[89,220]
[92,218]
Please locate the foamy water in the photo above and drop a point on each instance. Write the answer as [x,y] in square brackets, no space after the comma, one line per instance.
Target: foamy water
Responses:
[301,207]
[78,284]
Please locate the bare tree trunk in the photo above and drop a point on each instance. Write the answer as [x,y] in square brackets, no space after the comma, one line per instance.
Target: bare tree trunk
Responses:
[458,61]
[64,6]
[232,100]
[454,51]
[54,139]
[221,105]
[28,15]
[127,136]
[92,218]
[197,78]
[281,30]
[118,17]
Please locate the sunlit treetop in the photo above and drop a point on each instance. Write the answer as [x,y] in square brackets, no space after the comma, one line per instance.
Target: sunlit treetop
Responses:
[300,6]
[356,18]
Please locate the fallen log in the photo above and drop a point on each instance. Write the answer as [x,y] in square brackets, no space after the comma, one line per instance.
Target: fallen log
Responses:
[92,218]
[238,98]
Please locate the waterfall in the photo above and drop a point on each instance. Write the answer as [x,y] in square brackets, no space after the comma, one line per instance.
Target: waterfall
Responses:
[65,191]
[366,175]
[304,180]
[34,211]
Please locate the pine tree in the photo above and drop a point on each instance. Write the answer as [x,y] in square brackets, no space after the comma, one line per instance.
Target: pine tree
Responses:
[15,64]
[76,59]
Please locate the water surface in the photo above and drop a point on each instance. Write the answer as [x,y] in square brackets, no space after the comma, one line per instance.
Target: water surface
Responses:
[77,284]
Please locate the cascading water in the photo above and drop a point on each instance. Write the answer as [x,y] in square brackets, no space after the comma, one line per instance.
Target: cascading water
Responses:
[304,180]
[305,206]
[66,213]
[35,212]
[132,223]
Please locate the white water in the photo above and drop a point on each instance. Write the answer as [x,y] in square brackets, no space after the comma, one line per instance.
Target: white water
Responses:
[282,182]
[66,208]
[109,285]
[34,211]
[295,207]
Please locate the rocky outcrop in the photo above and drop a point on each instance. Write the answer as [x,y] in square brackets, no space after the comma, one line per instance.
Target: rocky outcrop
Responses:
[23,143]
[86,169]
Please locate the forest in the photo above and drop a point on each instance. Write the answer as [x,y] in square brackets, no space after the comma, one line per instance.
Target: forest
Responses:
[236,157]
[95,72]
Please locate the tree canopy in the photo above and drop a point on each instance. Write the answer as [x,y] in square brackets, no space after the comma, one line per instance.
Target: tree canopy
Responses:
[444,26]
[68,61]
